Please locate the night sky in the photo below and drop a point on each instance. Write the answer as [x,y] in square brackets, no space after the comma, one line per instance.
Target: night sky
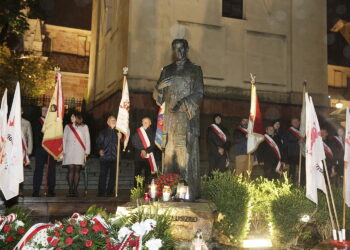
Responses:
[338,48]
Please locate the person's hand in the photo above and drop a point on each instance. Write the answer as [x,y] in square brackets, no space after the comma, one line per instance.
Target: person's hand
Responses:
[221,151]
[143,153]
[166,82]
[119,135]
[227,164]
[101,152]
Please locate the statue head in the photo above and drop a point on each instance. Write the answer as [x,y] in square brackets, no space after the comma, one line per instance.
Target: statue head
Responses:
[180,49]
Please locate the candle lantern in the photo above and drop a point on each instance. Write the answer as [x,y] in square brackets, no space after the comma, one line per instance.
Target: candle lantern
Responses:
[153,190]
[166,193]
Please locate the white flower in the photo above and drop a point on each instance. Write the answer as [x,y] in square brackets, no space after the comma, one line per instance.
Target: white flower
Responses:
[139,229]
[2,237]
[153,244]
[18,223]
[123,232]
[149,224]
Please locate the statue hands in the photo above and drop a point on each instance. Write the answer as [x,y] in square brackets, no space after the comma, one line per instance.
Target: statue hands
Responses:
[176,107]
[166,82]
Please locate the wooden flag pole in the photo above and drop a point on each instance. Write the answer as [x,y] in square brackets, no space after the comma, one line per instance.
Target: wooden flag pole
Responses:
[331,193]
[344,198]
[163,160]
[117,170]
[330,214]
[299,167]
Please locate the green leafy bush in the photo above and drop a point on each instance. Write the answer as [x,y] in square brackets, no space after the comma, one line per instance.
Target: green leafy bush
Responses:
[286,213]
[138,191]
[231,196]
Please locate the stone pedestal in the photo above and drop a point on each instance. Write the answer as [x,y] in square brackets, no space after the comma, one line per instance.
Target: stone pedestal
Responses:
[187,217]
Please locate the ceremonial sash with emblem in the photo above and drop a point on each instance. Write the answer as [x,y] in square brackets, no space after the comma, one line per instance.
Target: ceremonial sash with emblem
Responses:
[276,150]
[146,144]
[328,151]
[75,132]
[340,142]
[219,132]
[295,132]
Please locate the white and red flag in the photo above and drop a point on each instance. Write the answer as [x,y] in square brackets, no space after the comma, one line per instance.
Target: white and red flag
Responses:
[3,123]
[123,113]
[11,169]
[53,124]
[347,159]
[314,153]
[255,123]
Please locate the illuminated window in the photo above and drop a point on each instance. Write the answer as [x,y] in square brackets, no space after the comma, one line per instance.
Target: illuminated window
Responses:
[232,8]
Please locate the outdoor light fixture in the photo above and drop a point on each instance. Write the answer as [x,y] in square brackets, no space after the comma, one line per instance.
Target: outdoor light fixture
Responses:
[153,190]
[339,105]
[305,218]
[257,243]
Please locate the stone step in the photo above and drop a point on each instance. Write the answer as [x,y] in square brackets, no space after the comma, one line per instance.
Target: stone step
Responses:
[126,175]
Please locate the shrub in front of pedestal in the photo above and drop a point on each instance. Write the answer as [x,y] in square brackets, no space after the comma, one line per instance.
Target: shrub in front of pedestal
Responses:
[263,192]
[138,191]
[287,212]
[231,196]
[13,225]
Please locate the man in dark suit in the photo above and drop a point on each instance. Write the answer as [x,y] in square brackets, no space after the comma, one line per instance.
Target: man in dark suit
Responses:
[143,142]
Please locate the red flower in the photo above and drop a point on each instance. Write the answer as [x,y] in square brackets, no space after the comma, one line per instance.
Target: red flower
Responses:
[84,231]
[96,228]
[54,242]
[21,231]
[61,226]
[9,238]
[7,228]
[49,239]
[57,234]
[88,243]
[83,223]
[58,248]
[108,240]
[69,241]
[132,243]
[69,229]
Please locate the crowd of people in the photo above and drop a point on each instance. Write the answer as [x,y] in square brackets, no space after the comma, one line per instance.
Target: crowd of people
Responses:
[280,151]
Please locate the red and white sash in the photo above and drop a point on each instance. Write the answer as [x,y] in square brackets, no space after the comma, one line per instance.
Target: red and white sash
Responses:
[339,141]
[30,234]
[146,144]
[328,151]
[219,132]
[295,132]
[244,130]
[75,132]
[41,121]
[276,150]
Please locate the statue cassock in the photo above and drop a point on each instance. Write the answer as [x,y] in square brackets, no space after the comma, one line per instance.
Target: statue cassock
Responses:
[181,88]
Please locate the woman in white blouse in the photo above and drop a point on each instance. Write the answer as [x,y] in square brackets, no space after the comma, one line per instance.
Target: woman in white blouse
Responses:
[76,147]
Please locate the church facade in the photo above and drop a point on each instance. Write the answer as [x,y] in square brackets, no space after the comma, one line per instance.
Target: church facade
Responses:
[283,43]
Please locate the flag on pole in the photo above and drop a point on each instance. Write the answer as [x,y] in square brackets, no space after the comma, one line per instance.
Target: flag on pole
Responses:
[314,153]
[53,124]
[123,113]
[302,128]
[3,123]
[255,123]
[347,158]
[11,170]
[160,126]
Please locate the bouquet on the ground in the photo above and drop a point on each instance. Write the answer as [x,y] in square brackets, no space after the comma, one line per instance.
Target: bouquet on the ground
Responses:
[99,230]
[13,225]
[170,180]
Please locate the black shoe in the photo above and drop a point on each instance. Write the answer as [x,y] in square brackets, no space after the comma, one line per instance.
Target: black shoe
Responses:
[110,195]
[35,194]
[75,193]
[51,194]
[101,195]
